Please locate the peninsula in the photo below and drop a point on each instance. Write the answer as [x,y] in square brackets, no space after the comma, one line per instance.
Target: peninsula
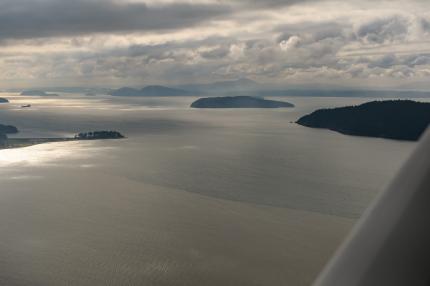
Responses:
[391,119]
[3,100]
[238,102]
[6,142]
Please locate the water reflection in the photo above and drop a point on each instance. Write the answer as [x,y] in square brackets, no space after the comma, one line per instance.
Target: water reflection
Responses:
[188,196]
[49,154]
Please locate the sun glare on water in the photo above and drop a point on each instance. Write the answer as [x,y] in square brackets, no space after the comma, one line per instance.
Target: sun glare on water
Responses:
[42,154]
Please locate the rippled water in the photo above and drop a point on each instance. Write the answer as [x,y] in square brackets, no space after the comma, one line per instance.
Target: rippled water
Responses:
[191,197]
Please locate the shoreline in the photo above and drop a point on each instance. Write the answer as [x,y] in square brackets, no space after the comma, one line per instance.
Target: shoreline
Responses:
[11,143]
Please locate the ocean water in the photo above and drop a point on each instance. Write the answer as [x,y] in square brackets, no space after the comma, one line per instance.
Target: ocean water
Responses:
[190,197]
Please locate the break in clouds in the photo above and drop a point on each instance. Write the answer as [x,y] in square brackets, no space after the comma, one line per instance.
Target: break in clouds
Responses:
[107,42]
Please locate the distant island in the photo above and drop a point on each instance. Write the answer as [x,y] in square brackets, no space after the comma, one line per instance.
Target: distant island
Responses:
[8,129]
[151,90]
[4,130]
[3,100]
[37,93]
[391,119]
[6,142]
[98,135]
[238,102]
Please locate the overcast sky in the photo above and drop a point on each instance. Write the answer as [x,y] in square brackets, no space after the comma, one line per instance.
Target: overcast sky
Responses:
[133,42]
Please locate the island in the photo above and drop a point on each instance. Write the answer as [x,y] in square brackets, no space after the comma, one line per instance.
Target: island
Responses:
[37,93]
[151,90]
[8,129]
[238,102]
[3,100]
[98,135]
[4,130]
[391,119]
[6,142]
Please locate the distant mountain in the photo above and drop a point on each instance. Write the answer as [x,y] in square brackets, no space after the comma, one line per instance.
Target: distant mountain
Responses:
[392,119]
[81,90]
[158,90]
[238,102]
[126,91]
[37,93]
[223,86]
[151,90]
[3,100]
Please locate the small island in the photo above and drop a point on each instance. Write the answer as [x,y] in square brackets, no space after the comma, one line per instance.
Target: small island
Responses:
[37,93]
[8,129]
[4,131]
[391,119]
[6,142]
[238,102]
[98,135]
[3,100]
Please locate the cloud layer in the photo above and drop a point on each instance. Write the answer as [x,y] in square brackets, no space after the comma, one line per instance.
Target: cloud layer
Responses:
[357,43]
[52,18]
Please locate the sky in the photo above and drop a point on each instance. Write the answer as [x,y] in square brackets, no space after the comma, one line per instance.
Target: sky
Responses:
[112,43]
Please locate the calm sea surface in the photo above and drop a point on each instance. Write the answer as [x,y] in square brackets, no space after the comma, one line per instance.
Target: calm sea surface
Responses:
[190,197]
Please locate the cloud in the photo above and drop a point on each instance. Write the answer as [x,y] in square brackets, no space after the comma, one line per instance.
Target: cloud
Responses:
[167,42]
[289,43]
[57,18]
[383,30]
[270,3]
[384,62]
[215,53]
[425,24]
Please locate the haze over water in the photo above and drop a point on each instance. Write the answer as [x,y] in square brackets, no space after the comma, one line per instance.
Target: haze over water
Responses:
[190,197]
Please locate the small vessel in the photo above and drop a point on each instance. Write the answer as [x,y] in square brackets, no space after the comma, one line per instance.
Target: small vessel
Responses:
[25,105]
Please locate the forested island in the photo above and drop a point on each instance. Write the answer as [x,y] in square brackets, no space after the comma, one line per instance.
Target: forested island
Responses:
[37,93]
[391,119]
[4,131]
[98,135]
[238,102]
[8,129]
[3,100]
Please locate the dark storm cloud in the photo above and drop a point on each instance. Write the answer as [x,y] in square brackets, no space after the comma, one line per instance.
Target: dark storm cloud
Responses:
[52,18]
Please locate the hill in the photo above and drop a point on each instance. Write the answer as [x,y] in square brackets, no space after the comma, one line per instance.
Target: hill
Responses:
[392,119]
[151,90]
[238,102]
